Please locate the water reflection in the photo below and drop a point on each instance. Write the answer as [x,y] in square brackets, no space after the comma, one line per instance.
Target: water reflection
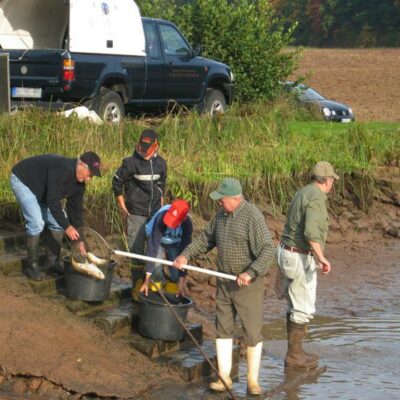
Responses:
[360,354]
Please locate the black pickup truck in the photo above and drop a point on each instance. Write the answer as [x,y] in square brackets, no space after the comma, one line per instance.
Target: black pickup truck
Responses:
[169,72]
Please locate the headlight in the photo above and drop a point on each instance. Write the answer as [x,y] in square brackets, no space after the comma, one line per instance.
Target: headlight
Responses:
[333,112]
[350,111]
[326,111]
[232,77]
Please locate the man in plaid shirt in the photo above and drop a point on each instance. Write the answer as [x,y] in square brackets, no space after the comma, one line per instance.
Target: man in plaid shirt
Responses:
[245,249]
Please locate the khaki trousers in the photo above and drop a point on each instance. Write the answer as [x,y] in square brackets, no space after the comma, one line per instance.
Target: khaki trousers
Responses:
[300,281]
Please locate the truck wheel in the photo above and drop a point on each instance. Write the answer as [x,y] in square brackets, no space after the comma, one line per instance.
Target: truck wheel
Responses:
[109,106]
[214,102]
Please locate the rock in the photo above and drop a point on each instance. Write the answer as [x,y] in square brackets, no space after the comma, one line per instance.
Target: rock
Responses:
[46,388]
[345,225]
[212,281]
[334,223]
[382,223]
[335,237]
[195,289]
[362,225]
[199,277]
[19,386]
[34,384]
[347,215]
[395,232]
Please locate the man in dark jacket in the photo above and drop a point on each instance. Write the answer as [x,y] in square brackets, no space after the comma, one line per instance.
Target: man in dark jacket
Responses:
[40,184]
[139,185]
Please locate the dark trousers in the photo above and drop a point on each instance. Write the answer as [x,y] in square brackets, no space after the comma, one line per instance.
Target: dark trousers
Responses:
[246,302]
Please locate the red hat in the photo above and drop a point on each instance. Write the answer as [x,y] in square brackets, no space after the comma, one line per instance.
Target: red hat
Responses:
[176,214]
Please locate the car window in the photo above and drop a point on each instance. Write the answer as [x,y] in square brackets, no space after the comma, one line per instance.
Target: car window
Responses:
[308,94]
[152,43]
[174,43]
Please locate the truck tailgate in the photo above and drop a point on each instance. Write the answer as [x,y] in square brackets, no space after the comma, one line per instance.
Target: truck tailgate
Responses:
[35,73]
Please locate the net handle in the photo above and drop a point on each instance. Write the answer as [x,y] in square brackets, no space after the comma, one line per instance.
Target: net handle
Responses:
[170,263]
[159,260]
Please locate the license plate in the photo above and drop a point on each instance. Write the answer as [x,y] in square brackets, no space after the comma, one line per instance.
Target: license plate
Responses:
[23,92]
[346,120]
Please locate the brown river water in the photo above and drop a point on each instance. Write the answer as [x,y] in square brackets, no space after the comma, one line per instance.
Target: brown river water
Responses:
[356,333]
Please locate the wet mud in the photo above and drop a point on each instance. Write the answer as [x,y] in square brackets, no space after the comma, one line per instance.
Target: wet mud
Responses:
[356,333]
[46,352]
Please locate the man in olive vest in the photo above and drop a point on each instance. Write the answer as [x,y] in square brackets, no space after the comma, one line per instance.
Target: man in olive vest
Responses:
[300,255]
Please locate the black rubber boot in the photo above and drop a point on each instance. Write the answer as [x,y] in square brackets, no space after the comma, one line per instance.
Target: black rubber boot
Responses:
[32,270]
[54,243]
[296,357]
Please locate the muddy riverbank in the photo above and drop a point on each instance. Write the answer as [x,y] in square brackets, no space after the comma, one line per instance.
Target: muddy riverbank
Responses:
[46,352]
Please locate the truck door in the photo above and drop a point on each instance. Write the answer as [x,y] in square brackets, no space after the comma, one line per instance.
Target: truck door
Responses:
[184,74]
[155,63]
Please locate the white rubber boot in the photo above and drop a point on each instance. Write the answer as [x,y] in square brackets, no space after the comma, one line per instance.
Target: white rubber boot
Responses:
[224,358]
[253,368]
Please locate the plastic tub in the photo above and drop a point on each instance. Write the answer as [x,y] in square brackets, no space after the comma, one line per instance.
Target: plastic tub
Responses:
[157,321]
[80,286]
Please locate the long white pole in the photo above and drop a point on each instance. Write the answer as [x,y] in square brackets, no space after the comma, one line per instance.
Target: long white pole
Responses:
[166,262]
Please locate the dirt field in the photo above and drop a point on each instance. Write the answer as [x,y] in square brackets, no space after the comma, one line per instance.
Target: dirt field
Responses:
[365,79]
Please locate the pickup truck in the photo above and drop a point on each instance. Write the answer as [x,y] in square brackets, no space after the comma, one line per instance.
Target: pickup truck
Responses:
[103,54]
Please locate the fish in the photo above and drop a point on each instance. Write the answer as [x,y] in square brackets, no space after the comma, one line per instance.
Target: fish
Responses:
[88,269]
[96,260]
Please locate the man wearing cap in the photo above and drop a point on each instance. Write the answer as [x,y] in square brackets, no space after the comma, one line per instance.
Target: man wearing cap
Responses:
[169,231]
[300,254]
[245,249]
[139,185]
[40,183]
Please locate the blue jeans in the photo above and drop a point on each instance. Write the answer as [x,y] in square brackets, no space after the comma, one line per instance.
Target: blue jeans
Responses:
[171,252]
[36,215]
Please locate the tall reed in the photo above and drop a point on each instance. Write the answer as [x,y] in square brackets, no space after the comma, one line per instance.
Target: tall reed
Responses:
[267,146]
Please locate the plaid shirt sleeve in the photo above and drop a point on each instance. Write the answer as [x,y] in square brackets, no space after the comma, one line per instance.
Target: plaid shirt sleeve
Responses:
[261,246]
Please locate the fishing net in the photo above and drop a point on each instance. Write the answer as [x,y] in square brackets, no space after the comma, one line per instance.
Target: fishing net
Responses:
[91,254]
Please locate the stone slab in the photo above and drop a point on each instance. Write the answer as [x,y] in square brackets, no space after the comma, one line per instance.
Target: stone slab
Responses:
[10,241]
[11,263]
[118,319]
[191,363]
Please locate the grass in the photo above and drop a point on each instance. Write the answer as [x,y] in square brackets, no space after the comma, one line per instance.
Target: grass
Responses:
[267,146]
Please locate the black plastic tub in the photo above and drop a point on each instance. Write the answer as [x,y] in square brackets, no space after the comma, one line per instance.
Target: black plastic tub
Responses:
[80,286]
[157,321]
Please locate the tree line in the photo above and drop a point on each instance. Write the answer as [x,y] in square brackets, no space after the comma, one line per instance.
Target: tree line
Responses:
[342,23]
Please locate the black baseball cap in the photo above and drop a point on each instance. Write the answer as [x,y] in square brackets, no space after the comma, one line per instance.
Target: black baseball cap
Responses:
[92,160]
[148,142]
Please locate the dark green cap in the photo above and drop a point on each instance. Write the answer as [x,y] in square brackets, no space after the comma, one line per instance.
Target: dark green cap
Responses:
[229,187]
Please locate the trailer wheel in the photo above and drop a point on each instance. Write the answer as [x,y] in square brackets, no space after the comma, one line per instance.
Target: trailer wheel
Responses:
[108,104]
[214,102]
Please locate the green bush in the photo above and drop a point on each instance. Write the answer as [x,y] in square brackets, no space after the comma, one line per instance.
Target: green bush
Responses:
[244,34]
